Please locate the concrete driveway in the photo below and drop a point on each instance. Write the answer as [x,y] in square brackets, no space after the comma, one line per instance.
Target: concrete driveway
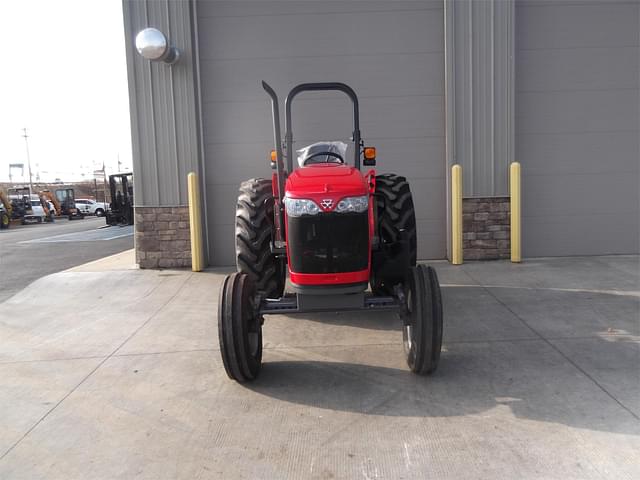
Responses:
[32,251]
[539,378]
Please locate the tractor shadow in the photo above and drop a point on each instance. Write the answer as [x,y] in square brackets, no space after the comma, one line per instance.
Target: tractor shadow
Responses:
[567,357]
[391,392]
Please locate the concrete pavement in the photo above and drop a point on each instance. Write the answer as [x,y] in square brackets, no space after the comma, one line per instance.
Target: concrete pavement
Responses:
[31,251]
[539,378]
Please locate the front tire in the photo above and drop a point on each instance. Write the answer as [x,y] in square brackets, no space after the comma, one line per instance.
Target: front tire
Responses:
[422,331]
[5,220]
[254,233]
[239,328]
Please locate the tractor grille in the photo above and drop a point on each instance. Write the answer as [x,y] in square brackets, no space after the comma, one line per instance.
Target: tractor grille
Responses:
[328,242]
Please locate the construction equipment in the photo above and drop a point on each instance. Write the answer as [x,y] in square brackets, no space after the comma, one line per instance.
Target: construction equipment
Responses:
[336,229]
[45,197]
[121,206]
[38,202]
[6,210]
[21,208]
[67,203]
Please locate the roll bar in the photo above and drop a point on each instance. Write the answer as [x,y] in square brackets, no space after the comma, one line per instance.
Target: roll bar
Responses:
[314,87]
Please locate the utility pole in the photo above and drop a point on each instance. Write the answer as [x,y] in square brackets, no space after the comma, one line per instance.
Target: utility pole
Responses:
[26,142]
[104,185]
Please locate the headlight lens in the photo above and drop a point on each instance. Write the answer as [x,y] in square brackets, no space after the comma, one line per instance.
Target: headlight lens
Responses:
[297,207]
[353,204]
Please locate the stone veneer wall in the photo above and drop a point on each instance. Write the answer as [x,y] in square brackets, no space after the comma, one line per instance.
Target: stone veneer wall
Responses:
[486,228]
[162,237]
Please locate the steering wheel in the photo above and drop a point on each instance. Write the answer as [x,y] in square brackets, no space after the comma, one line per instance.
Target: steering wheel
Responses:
[335,157]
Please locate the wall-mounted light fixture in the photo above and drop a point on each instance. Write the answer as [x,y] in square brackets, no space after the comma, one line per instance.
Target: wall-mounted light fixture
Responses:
[153,45]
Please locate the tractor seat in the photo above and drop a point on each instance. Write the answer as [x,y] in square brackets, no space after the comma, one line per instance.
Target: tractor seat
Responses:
[322,152]
[321,159]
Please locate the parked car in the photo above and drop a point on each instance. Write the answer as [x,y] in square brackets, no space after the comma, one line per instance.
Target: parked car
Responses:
[91,207]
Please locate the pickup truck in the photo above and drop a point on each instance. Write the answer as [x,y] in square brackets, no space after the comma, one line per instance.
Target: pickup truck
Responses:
[91,207]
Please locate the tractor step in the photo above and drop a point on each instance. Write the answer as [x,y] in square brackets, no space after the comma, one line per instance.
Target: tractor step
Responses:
[302,303]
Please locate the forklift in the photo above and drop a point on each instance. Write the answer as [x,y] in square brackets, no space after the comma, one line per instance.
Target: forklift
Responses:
[121,206]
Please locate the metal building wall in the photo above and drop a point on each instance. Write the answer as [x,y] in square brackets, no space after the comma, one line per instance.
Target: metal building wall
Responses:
[578,130]
[576,120]
[164,104]
[479,82]
[480,93]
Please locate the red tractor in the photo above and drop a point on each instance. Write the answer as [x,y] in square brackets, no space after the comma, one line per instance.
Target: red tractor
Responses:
[337,230]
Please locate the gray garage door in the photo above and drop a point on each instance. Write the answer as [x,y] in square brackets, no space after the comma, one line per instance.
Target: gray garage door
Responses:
[391,53]
[577,125]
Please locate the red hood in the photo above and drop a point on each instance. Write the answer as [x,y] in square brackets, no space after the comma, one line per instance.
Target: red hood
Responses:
[326,180]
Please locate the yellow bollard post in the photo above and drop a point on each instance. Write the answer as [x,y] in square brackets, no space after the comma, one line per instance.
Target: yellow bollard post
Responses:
[195,223]
[516,225]
[456,215]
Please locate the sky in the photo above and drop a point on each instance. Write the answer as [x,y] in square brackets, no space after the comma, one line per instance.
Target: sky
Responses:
[63,76]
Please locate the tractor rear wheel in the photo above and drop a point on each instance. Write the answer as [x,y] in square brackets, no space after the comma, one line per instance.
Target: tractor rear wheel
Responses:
[422,331]
[239,328]
[396,216]
[254,233]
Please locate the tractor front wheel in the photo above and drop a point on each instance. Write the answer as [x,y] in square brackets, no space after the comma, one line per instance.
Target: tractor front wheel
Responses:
[5,220]
[422,331]
[239,328]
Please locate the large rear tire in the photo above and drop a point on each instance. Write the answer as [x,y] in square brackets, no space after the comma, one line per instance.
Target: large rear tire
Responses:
[396,216]
[422,331]
[254,233]
[239,328]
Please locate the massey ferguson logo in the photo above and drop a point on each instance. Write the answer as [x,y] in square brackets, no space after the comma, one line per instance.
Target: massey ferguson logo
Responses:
[326,204]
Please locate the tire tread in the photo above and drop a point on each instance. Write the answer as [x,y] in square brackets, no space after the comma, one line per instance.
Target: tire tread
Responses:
[253,233]
[396,212]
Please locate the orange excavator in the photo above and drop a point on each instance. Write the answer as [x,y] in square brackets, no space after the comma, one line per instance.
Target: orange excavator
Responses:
[64,202]
[45,197]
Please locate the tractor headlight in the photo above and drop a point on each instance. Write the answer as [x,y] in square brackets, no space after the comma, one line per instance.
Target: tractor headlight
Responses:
[353,204]
[296,207]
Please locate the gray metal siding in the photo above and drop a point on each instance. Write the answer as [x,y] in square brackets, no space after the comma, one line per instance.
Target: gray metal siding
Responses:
[480,93]
[391,53]
[577,126]
[163,105]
